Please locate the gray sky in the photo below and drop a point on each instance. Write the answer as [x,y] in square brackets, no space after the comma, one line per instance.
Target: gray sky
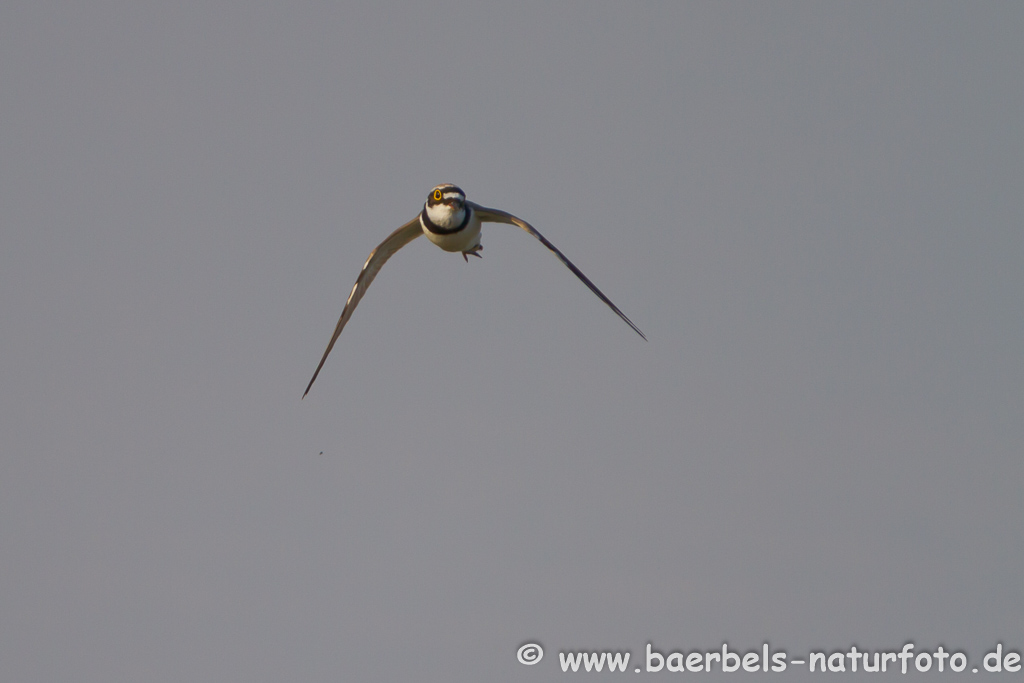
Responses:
[813,210]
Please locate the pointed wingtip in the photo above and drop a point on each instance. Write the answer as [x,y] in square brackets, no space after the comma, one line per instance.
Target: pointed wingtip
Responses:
[315,374]
[628,322]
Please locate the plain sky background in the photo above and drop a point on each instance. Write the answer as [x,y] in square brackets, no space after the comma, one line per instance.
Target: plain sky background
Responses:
[815,211]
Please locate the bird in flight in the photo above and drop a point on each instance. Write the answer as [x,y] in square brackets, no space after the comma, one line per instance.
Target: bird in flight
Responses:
[452,223]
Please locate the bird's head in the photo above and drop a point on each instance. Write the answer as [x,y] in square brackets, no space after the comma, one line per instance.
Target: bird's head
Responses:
[446,206]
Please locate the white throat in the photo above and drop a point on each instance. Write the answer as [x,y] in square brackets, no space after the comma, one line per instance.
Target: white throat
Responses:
[445,217]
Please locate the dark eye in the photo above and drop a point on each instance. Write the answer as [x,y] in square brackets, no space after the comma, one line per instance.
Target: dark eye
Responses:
[437,195]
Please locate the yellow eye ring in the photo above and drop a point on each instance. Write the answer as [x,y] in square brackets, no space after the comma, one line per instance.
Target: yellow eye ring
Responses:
[437,195]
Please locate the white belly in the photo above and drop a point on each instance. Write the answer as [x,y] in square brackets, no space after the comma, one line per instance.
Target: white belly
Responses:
[463,240]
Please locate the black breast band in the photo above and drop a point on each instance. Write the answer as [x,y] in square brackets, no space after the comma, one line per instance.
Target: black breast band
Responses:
[430,226]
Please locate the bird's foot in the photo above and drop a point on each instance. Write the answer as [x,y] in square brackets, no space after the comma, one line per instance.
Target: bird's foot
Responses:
[475,251]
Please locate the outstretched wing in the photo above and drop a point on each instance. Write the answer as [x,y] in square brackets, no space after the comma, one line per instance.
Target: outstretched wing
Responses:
[497,216]
[395,241]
